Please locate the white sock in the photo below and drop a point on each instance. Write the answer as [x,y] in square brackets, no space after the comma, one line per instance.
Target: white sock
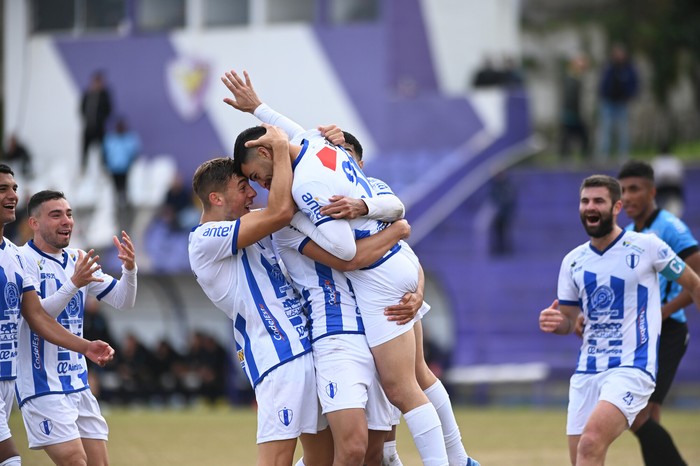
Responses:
[13,461]
[298,463]
[391,456]
[424,424]
[439,397]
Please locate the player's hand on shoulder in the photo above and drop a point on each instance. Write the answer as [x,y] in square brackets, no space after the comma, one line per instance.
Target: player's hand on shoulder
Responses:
[125,250]
[245,98]
[85,267]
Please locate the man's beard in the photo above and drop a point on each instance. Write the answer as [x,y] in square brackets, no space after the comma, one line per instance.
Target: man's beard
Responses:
[604,227]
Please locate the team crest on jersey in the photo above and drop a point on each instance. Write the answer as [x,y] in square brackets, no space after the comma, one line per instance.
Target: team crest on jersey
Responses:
[46,426]
[332,389]
[285,416]
[602,298]
[12,298]
[632,260]
[73,308]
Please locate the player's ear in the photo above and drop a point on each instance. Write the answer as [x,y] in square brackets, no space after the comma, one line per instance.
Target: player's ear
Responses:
[215,198]
[33,223]
[264,152]
[617,208]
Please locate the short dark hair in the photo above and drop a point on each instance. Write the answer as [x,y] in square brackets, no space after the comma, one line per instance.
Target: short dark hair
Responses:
[212,175]
[637,169]
[6,169]
[352,140]
[241,153]
[39,198]
[604,181]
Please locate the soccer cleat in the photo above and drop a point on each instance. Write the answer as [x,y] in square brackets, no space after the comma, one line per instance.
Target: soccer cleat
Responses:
[472,462]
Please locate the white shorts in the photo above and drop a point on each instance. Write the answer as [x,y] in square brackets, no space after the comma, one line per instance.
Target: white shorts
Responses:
[7,399]
[383,286]
[347,378]
[287,402]
[52,419]
[626,388]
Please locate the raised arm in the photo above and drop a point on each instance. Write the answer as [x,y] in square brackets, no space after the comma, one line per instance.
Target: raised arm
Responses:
[49,329]
[83,274]
[280,205]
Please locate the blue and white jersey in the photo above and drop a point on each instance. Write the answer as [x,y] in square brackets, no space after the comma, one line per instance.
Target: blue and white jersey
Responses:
[248,285]
[13,283]
[44,368]
[618,291]
[323,170]
[326,292]
[674,232]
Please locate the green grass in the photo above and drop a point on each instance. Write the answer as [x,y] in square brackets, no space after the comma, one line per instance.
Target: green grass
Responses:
[226,436]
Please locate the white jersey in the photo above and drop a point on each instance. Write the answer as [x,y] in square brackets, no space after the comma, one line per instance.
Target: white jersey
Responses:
[327,293]
[14,282]
[618,291]
[45,368]
[269,324]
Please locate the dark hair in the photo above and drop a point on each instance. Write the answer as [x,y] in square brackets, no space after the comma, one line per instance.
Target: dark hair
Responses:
[213,175]
[352,140]
[6,169]
[41,197]
[637,169]
[241,153]
[604,181]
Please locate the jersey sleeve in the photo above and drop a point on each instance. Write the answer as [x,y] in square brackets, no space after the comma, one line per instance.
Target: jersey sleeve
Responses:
[267,115]
[334,237]
[678,236]
[290,237]
[664,260]
[218,240]
[567,291]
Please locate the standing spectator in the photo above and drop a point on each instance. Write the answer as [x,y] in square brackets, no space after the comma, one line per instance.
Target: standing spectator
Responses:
[121,147]
[619,84]
[503,196]
[17,155]
[669,173]
[573,126]
[135,368]
[95,108]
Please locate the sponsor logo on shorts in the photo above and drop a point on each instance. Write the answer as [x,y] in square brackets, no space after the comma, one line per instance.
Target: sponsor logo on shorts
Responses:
[285,416]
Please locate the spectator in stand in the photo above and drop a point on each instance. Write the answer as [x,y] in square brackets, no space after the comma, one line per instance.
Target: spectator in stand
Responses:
[619,84]
[668,172]
[168,369]
[95,108]
[17,156]
[96,327]
[573,125]
[178,210]
[487,75]
[134,368]
[503,196]
[121,148]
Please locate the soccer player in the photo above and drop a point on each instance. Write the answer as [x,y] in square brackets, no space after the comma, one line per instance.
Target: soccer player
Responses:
[20,297]
[322,170]
[233,260]
[348,385]
[613,279]
[638,200]
[60,413]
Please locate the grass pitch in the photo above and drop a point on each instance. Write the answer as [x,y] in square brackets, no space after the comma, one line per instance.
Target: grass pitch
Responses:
[226,436]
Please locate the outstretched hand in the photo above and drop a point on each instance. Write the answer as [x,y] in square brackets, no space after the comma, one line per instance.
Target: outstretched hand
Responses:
[99,352]
[245,98]
[125,250]
[85,267]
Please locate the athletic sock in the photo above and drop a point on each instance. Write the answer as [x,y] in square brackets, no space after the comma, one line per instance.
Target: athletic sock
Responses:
[658,448]
[391,456]
[424,424]
[12,461]
[438,396]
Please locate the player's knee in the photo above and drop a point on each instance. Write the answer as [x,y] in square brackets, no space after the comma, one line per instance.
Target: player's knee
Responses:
[590,446]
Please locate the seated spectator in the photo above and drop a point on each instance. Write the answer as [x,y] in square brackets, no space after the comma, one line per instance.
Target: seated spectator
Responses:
[178,210]
[134,368]
[121,147]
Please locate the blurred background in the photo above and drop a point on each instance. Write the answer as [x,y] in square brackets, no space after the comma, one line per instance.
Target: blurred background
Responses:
[483,116]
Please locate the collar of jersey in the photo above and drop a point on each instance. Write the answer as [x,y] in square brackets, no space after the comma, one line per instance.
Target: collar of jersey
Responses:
[304,146]
[64,254]
[599,252]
